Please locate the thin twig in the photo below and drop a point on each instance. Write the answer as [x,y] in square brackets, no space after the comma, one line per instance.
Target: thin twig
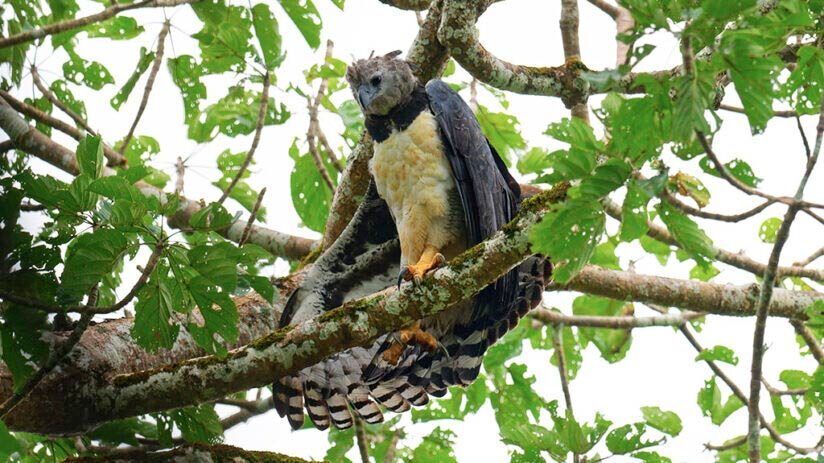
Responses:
[180,169]
[810,339]
[776,113]
[389,456]
[812,257]
[38,82]
[765,295]
[776,436]
[63,26]
[360,437]
[312,132]
[687,209]
[777,392]
[264,102]
[161,45]
[248,230]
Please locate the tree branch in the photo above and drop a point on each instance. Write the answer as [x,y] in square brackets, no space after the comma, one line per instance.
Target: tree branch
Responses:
[264,103]
[617,323]
[161,46]
[460,36]
[38,82]
[191,452]
[63,26]
[90,400]
[115,158]
[770,276]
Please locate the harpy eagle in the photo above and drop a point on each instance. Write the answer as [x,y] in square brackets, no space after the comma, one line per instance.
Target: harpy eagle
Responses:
[438,187]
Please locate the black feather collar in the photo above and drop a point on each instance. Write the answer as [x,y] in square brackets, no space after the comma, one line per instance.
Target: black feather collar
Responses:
[399,118]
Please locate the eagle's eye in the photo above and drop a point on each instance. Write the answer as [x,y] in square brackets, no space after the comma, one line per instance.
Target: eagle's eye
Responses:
[375,80]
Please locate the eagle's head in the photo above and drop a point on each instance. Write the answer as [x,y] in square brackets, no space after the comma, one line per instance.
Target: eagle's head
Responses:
[380,83]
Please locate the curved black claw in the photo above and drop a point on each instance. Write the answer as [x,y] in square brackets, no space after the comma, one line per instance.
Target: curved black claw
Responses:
[403,275]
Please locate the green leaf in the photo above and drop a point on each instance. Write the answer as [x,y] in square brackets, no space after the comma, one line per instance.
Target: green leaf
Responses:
[90,156]
[21,345]
[215,324]
[569,235]
[694,241]
[341,442]
[117,28]
[634,214]
[534,161]
[91,74]
[199,424]
[8,444]
[691,102]
[719,354]
[186,74]
[224,40]
[436,447]
[154,328]
[704,272]
[143,62]
[709,400]
[613,344]
[651,457]
[753,71]
[501,129]
[62,92]
[660,250]
[310,195]
[307,19]
[737,168]
[769,229]
[664,421]
[268,35]
[607,178]
[235,114]
[88,258]
[629,438]
[806,82]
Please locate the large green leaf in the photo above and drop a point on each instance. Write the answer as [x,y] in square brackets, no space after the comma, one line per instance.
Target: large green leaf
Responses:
[310,195]
[143,62]
[154,326]
[569,236]
[268,35]
[662,420]
[89,257]
[694,241]
[613,344]
[306,17]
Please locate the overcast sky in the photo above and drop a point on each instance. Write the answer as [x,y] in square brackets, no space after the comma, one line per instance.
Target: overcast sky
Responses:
[659,369]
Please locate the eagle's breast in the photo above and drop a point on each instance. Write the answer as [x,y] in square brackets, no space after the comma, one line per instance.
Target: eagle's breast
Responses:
[413,176]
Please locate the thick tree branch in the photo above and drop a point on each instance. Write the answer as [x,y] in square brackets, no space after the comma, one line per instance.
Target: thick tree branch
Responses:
[88,401]
[32,141]
[617,323]
[63,26]
[460,36]
[115,158]
[191,453]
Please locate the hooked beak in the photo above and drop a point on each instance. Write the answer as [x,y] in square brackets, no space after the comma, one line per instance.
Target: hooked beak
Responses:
[366,93]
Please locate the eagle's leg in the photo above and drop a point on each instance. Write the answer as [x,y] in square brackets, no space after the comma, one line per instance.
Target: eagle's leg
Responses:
[430,259]
[411,335]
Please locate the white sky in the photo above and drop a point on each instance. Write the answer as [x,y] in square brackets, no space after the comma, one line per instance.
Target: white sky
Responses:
[659,369]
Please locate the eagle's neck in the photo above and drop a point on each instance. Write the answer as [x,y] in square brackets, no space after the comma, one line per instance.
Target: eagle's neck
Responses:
[399,118]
